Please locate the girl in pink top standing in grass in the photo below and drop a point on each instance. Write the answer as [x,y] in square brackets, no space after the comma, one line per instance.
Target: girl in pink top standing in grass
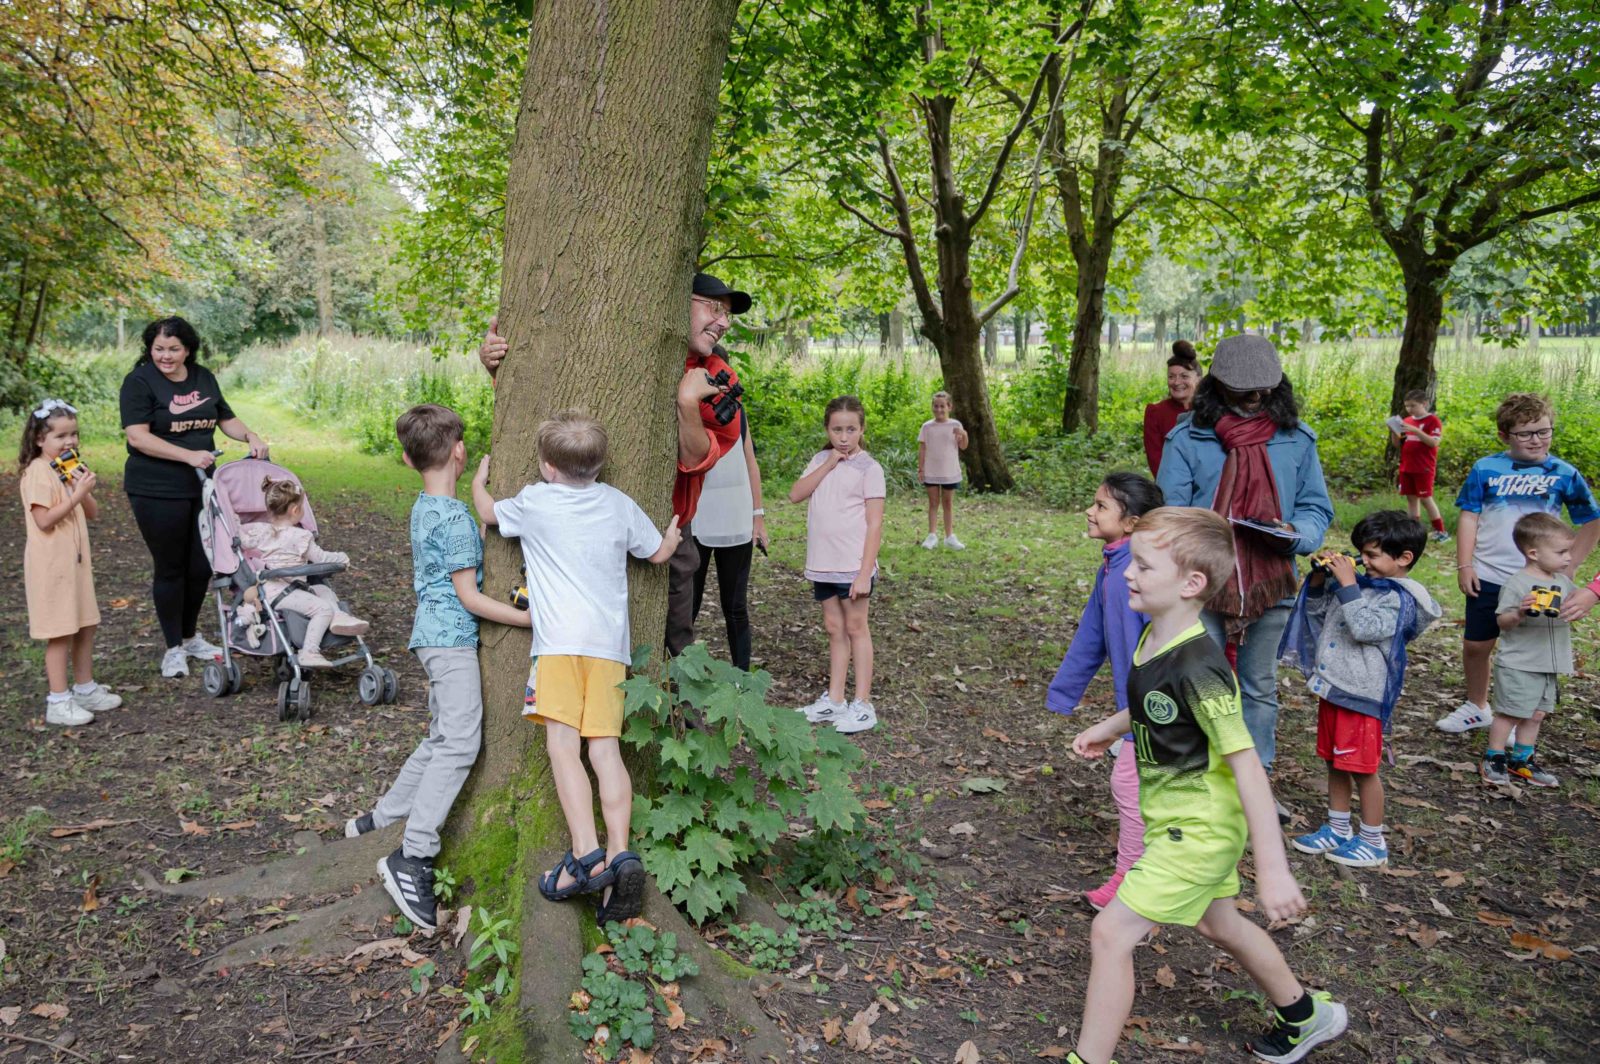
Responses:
[844,527]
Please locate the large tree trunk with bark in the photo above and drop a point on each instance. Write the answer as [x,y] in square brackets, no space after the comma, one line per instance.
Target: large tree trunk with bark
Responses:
[603,211]
[1160,338]
[962,367]
[1080,410]
[1424,312]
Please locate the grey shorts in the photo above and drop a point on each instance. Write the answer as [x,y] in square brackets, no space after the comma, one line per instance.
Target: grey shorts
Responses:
[1522,694]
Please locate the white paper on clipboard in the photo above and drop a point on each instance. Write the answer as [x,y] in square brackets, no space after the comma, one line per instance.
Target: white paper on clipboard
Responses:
[1263,527]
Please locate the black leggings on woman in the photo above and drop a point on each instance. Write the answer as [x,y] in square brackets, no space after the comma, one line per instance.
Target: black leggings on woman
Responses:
[171,529]
[733,585]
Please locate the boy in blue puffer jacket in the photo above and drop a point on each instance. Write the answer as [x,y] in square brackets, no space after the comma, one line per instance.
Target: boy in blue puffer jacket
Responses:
[1351,646]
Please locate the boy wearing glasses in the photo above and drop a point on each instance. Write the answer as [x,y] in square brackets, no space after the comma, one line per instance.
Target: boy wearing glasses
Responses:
[1502,489]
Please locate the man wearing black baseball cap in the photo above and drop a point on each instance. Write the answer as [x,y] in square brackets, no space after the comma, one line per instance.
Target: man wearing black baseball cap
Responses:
[702,440]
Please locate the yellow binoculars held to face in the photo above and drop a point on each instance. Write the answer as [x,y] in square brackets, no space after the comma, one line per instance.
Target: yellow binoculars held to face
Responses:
[1546,601]
[1320,560]
[67,465]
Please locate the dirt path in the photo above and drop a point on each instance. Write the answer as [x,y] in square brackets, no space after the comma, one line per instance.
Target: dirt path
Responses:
[183,786]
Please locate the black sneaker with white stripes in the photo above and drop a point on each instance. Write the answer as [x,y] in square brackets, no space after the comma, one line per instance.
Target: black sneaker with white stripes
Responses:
[359,825]
[409,881]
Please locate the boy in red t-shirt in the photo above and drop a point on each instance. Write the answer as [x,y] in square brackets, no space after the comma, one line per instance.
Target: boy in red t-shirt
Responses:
[1419,460]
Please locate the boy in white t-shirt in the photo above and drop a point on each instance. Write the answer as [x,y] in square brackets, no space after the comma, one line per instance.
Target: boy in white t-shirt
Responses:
[939,447]
[576,537]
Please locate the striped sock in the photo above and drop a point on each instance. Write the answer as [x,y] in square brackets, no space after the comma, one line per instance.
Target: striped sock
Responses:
[1339,822]
[1373,836]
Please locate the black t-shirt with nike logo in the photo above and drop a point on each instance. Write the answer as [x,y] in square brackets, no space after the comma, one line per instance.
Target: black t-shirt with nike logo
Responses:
[184,413]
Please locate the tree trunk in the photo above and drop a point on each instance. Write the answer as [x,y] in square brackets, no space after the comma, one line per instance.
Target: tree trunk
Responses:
[1424,310]
[991,343]
[1113,337]
[1081,408]
[1023,328]
[897,332]
[883,336]
[603,207]
[1159,340]
[35,321]
[324,279]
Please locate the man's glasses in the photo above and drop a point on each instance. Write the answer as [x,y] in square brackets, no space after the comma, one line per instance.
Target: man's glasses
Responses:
[725,313]
[1530,435]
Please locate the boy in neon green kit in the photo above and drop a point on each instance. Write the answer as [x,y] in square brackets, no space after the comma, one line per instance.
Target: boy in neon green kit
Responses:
[1201,791]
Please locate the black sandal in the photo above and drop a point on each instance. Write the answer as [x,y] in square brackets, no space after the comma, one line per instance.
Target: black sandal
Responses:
[578,868]
[627,889]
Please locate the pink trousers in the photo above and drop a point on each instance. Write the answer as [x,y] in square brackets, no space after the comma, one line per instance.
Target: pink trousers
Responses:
[1125,792]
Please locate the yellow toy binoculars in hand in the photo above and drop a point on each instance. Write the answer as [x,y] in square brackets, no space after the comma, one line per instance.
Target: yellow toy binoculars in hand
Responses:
[1546,601]
[67,465]
[519,594]
[1320,560]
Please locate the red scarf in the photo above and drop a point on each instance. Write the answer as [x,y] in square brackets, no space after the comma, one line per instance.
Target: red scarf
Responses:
[1247,488]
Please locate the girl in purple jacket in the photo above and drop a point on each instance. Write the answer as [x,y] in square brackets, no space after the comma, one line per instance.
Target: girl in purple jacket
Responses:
[1109,631]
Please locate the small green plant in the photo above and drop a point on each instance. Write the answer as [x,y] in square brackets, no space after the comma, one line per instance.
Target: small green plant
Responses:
[492,942]
[712,820]
[18,835]
[444,884]
[764,948]
[421,974]
[613,1009]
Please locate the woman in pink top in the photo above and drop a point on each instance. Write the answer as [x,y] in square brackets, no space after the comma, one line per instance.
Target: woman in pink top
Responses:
[844,527]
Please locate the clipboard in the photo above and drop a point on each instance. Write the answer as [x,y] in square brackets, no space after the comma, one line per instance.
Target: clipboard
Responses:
[1264,528]
[1397,424]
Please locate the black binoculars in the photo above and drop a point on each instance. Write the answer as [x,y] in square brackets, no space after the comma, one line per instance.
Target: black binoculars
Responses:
[726,405]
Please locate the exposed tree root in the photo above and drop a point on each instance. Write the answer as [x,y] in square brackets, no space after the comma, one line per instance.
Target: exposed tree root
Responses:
[321,934]
[327,869]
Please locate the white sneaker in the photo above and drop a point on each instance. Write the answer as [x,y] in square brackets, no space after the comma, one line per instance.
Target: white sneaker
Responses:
[1463,718]
[824,710]
[931,542]
[858,716]
[953,543]
[174,663]
[345,624]
[197,647]
[313,659]
[99,700]
[67,714]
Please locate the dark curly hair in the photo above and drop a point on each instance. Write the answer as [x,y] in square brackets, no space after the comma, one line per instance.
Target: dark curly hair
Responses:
[1210,404]
[1394,531]
[179,330]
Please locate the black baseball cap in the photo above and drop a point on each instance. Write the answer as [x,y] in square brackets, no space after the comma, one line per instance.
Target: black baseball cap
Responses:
[716,288]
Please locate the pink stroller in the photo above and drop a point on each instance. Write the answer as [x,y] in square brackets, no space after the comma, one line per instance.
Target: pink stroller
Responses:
[231,497]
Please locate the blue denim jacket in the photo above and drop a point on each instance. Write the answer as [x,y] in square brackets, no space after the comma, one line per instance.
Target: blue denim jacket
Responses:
[1191,465]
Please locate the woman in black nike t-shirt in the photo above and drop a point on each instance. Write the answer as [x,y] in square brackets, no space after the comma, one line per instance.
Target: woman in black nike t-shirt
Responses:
[171,408]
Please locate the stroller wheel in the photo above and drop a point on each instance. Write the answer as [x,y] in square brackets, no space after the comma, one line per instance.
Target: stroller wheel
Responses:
[303,702]
[286,708]
[391,685]
[213,679]
[235,677]
[370,686]
[281,670]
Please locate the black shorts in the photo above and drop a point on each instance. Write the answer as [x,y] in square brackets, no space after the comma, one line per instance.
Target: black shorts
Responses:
[823,592]
[1481,612]
[948,487]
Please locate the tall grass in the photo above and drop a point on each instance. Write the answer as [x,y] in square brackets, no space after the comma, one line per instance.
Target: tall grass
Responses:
[361,386]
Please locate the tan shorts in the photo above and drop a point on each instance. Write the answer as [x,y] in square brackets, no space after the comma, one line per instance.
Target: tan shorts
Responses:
[582,693]
[1522,694]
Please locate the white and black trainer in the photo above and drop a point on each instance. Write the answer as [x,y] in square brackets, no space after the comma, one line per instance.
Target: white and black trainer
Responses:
[409,881]
[359,825]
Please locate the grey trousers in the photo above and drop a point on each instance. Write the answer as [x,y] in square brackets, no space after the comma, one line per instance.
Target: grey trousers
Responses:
[682,568]
[1258,673]
[432,776]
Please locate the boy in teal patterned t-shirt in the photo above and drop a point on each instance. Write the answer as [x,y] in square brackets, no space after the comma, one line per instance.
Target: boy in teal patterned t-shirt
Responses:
[446,556]
[1201,788]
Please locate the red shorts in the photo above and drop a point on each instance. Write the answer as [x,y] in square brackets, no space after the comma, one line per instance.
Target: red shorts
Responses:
[1349,741]
[1417,485]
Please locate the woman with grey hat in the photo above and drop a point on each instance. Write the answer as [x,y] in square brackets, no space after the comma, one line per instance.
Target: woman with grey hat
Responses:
[1245,454]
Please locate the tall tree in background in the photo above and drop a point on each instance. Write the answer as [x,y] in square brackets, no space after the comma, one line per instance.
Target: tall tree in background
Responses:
[1458,124]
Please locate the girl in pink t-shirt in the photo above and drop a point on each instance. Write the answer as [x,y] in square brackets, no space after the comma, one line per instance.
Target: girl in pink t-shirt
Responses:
[939,447]
[844,527]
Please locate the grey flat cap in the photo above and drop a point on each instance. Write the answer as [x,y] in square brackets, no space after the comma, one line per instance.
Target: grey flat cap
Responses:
[1246,363]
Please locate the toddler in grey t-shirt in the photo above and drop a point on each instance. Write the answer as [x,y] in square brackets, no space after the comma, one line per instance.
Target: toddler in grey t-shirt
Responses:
[1535,648]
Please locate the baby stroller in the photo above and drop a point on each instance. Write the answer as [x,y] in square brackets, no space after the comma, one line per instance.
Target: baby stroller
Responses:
[231,497]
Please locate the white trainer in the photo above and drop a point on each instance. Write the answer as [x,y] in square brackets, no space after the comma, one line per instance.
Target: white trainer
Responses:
[858,716]
[1463,718]
[174,663]
[313,659]
[953,543]
[824,710]
[197,647]
[931,542]
[67,714]
[99,700]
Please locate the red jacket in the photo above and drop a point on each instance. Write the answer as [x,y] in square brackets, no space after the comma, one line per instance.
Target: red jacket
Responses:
[724,438]
[1159,419]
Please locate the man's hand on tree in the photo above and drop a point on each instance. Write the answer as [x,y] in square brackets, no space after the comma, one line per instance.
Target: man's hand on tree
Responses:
[494,347]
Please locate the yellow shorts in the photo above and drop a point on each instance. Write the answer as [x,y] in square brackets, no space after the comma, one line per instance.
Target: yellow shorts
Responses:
[579,692]
[1161,897]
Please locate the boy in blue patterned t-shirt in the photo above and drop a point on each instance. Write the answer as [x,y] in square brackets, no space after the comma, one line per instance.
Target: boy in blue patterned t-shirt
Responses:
[1501,489]
[446,556]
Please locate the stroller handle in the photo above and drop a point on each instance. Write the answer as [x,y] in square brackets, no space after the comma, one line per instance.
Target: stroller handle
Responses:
[294,572]
[201,473]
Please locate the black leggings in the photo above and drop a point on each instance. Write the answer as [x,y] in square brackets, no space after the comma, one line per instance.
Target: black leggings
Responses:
[171,529]
[733,585]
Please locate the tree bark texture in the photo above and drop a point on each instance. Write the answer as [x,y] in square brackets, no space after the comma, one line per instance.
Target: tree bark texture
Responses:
[1160,337]
[603,213]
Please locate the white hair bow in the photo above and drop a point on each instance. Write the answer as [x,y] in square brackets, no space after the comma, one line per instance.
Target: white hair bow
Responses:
[51,407]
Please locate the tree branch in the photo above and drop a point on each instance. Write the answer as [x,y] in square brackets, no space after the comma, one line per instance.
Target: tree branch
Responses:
[893,234]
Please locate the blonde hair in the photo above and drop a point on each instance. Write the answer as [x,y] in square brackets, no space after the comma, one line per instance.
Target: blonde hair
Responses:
[942,395]
[427,433]
[281,496]
[1200,541]
[574,443]
[1536,530]
[1519,408]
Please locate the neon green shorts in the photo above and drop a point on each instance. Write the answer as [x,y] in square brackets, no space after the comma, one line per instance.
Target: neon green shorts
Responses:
[1159,896]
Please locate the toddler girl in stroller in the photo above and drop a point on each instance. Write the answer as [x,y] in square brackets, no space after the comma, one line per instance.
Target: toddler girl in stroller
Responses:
[282,544]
